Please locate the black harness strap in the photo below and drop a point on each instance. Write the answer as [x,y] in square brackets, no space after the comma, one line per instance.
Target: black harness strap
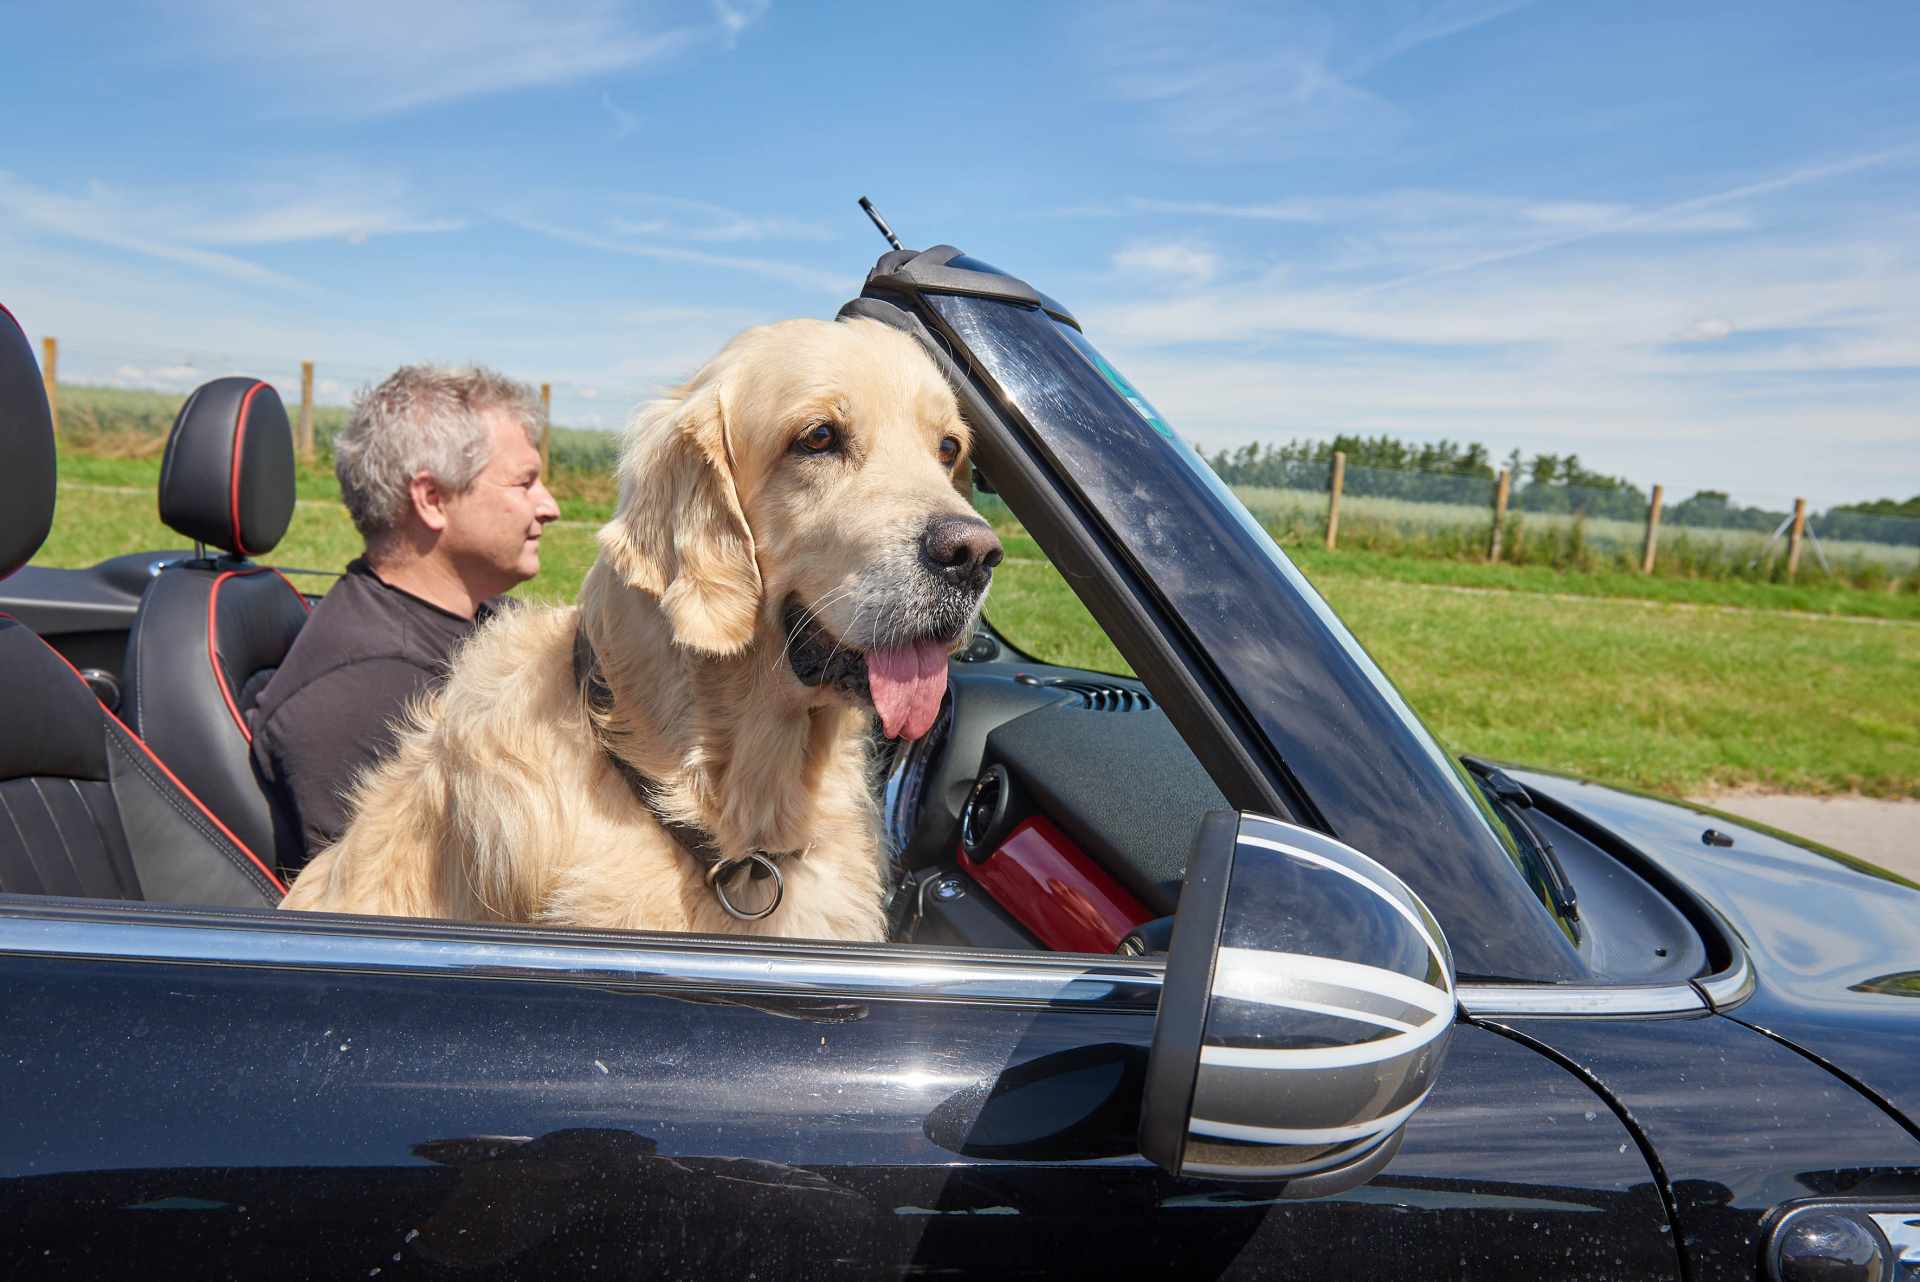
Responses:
[695,840]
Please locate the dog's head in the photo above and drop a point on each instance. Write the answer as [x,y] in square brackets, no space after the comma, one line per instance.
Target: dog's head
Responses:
[806,489]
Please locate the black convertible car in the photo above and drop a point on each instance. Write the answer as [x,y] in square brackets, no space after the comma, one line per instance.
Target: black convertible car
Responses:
[1228,970]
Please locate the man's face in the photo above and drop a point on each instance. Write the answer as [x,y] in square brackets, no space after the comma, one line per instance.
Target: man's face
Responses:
[493,530]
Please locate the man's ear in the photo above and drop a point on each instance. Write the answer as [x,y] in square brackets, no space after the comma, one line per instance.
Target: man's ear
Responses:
[679,532]
[429,501]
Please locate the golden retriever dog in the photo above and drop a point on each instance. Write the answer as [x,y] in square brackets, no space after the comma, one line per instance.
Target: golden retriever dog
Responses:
[791,553]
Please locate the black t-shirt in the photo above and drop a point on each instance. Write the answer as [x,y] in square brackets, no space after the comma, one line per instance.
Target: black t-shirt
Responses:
[329,712]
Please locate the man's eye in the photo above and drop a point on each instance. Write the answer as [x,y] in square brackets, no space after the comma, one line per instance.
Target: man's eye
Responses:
[949,450]
[819,439]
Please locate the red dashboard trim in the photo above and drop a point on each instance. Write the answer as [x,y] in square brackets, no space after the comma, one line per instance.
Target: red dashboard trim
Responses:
[1055,891]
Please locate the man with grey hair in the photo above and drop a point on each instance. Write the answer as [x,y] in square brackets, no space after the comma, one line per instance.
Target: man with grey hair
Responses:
[440,469]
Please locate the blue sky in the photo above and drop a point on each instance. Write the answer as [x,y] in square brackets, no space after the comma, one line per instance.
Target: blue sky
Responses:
[1682,240]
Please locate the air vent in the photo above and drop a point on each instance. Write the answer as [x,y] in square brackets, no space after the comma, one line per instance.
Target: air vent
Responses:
[1106,698]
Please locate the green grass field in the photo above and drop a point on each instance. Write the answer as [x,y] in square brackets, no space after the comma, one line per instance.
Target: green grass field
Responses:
[1671,684]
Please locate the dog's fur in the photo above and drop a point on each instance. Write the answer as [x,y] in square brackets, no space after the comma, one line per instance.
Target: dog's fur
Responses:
[499,802]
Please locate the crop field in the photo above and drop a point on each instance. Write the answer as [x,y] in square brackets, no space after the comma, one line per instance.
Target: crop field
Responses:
[1364,519]
[1671,684]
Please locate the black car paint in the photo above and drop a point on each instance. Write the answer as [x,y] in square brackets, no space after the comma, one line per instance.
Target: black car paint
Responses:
[1834,942]
[1739,1124]
[292,1123]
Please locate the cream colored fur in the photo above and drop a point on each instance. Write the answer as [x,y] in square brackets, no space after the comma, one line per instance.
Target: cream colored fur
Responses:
[499,803]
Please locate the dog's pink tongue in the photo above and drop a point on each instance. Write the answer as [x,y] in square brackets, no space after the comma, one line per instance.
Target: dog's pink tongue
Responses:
[907,682]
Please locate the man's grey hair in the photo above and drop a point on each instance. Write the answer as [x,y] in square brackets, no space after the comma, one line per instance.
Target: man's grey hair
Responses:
[423,418]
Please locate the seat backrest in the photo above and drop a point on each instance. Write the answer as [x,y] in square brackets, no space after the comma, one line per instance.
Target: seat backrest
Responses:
[93,811]
[85,807]
[210,632]
[27,481]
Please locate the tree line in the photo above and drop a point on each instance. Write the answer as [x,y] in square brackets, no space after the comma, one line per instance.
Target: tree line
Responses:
[1447,471]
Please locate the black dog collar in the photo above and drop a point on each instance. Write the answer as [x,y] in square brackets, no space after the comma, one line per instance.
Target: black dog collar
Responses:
[695,840]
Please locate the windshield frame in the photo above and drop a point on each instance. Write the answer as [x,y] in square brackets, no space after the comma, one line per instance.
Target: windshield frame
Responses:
[1309,722]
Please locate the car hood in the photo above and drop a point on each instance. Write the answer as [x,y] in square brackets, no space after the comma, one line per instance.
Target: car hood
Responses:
[1834,941]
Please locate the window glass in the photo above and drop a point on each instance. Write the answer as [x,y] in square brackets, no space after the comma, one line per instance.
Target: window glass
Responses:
[1031,606]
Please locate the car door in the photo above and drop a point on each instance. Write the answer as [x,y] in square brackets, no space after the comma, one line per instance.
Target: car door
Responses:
[272,1095]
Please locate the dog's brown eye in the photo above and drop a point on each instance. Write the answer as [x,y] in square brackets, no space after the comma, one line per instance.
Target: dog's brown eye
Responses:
[949,450]
[819,438]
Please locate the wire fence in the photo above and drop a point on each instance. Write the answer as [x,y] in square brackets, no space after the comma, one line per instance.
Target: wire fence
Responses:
[123,402]
[1574,526]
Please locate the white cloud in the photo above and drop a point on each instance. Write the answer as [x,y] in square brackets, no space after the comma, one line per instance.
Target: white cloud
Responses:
[139,323]
[682,219]
[625,122]
[172,378]
[736,18]
[1563,323]
[1705,331]
[363,58]
[1182,264]
[193,226]
[102,217]
[1256,80]
[811,278]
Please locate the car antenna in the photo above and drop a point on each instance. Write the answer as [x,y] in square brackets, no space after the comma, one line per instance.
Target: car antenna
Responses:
[881,223]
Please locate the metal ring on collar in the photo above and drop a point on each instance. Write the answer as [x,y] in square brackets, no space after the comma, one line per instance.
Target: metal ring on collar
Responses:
[716,873]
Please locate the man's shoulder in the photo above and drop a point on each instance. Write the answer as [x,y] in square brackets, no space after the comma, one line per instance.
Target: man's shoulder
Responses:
[356,630]
[357,620]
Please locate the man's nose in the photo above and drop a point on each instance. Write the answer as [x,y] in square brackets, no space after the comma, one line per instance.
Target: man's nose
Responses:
[960,549]
[547,508]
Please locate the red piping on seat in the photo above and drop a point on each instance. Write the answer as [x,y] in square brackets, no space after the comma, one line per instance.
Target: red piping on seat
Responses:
[298,595]
[15,319]
[239,447]
[213,635]
[213,656]
[185,791]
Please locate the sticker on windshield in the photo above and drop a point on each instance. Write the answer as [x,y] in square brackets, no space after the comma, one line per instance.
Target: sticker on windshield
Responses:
[1128,390]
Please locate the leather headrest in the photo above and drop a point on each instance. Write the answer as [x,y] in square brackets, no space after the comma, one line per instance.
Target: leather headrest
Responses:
[227,478]
[26,450]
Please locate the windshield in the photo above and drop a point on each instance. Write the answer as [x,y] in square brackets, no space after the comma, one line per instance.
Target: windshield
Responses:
[1348,738]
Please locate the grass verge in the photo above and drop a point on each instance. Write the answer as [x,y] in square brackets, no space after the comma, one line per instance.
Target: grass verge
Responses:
[1607,675]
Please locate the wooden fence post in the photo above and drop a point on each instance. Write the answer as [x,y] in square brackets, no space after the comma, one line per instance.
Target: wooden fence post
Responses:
[1794,537]
[1499,513]
[50,375]
[1333,502]
[1653,532]
[305,438]
[546,429]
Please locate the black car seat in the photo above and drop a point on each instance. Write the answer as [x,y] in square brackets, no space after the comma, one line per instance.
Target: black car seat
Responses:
[86,808]
[211,631]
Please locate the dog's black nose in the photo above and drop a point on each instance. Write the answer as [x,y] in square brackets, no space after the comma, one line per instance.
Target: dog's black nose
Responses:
[960,549]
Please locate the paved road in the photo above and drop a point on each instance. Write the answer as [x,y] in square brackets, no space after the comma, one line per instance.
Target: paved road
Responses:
[1885,832]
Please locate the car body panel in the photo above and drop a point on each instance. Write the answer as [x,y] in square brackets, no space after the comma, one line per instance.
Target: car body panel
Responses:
[1833,941]
[1740,1124]
[291,1119]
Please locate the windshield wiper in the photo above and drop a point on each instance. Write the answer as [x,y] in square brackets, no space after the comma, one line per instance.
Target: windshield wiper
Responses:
[1516,801]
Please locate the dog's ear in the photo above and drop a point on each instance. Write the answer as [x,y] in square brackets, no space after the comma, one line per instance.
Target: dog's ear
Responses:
[679,532]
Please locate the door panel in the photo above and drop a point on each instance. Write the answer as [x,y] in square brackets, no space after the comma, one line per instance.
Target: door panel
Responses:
[167,1119]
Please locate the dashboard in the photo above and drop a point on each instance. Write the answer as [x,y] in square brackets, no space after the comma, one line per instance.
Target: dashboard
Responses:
[1048,807]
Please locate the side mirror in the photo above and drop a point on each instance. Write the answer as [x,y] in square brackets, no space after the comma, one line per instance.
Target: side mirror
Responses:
[1306,1008]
